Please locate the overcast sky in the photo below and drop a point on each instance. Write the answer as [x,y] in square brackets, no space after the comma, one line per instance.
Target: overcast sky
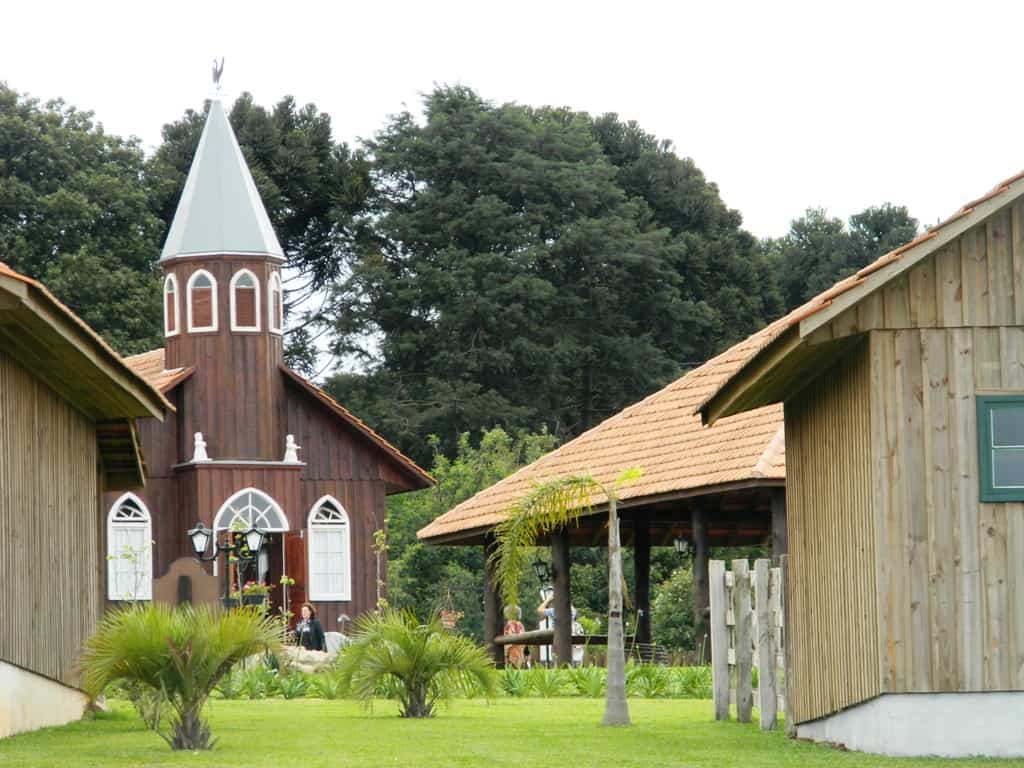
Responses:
[783,105]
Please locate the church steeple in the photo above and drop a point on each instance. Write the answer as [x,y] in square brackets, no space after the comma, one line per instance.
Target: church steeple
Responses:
[220,211]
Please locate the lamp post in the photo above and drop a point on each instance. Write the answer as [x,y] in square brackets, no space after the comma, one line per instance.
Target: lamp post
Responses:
[201,536]
[682,545]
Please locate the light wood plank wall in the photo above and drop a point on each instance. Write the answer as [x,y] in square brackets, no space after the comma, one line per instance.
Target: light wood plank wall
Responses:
[950,569]
[50,583]
[830,597]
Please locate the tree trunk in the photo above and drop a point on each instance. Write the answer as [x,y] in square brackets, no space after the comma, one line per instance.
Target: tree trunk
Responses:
[616,711]
[189,731]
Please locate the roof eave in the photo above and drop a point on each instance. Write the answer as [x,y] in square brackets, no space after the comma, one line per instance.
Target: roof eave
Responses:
[36,311]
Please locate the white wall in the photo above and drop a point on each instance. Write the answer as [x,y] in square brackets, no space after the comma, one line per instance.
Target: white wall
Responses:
[28,701]
[943,724]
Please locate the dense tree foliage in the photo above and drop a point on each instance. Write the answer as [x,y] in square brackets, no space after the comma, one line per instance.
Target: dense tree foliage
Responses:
[535,266]
[74,213]
[819,250]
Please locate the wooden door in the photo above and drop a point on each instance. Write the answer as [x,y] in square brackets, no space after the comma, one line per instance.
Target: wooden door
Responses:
[295,567]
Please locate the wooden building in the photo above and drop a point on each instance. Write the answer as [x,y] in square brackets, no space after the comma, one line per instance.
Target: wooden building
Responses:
[718,486]
[252,443]
[903,389]
[66,407]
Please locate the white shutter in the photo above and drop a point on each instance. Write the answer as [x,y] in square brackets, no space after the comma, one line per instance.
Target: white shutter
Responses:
[330,556]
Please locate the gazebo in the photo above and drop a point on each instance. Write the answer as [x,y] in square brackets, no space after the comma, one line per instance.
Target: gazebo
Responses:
[713,486]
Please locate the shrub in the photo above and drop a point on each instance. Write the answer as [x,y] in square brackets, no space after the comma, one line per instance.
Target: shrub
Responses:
[693,682]
[182,653]
[327,685]
[292,685]
[588,681]
[549,682]
[424,662]
[648,681]
[257,682]
[514,682]
[230,686]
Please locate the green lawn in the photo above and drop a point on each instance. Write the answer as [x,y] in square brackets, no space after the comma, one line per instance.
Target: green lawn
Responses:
[509,732]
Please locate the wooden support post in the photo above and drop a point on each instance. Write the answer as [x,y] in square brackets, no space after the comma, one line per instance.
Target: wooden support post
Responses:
[779,537]
[562,602]
[642,579]
[701,595]
[493,620]
[719,640]
[767,699]
[744,643]
[787,650]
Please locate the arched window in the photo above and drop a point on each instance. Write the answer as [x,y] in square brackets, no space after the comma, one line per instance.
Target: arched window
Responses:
[330,552]
[250,509]
[275,304]
[129,550]
[245,301]
[171,312]
[201,304]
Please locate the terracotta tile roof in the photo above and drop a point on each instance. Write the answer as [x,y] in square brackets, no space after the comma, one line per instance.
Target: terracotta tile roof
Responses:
[150,366]
[659,434]
[333,405]
[823,300]
[105,349]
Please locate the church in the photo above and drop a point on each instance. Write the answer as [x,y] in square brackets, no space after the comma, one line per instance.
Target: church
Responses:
[252,444]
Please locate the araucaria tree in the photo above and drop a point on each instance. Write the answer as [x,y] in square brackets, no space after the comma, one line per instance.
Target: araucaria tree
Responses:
[423,663]
[547,508]
[179,653]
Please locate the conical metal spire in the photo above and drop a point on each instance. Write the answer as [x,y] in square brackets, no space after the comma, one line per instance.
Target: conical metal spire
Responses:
[220,211]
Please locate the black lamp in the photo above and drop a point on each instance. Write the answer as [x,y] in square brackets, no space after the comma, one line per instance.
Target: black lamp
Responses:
[540,568]
[200,536]
[682,545]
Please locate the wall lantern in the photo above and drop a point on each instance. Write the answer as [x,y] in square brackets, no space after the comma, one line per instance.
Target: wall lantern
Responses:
[682,545]
[540,568]
[200,536]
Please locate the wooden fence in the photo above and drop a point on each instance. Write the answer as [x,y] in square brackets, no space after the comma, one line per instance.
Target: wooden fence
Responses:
[747,611]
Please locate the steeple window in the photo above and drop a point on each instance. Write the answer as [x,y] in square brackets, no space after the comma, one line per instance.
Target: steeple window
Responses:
[245,302]
[171,312]
[276,303]
[202,302]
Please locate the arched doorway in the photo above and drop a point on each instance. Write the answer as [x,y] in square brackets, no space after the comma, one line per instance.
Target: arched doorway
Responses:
[252,508]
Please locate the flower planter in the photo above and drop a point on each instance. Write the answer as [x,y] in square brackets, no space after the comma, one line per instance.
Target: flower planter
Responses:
[254,599]
[230,602]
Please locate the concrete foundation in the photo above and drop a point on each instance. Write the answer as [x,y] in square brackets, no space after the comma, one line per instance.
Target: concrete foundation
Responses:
[920,724]
[29,701]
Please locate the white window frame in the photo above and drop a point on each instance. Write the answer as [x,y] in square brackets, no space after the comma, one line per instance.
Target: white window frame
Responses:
[234,318]
[314,526]
[226,514]
[171,280]
[145,526]
[213,302]
[275,321]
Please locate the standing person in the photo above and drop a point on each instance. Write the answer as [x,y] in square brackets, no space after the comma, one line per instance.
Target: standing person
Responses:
[514,654]
[308,632]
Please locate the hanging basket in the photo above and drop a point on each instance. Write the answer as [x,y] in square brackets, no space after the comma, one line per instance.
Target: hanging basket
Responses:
[449,618]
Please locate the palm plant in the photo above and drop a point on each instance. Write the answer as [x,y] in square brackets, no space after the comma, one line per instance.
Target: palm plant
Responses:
[182,653]
[547,508]
[421,662]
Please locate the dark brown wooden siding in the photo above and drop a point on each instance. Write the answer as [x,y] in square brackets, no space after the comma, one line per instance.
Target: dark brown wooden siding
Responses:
[50,527]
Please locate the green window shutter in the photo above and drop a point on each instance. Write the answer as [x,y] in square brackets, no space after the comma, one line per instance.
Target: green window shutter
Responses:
[1000,447]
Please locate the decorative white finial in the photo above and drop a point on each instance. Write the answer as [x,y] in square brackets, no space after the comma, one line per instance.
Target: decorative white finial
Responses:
[199,451]
[291,450]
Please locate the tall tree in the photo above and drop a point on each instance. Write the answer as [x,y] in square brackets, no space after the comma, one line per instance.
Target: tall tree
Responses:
[74,213]
[521,276]
[820,250]
[315,191]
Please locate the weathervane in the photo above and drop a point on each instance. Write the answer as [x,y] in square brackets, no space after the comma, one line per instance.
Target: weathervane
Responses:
[218,70]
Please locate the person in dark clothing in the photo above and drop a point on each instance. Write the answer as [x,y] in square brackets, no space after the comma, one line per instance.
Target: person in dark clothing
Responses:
[308,632]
